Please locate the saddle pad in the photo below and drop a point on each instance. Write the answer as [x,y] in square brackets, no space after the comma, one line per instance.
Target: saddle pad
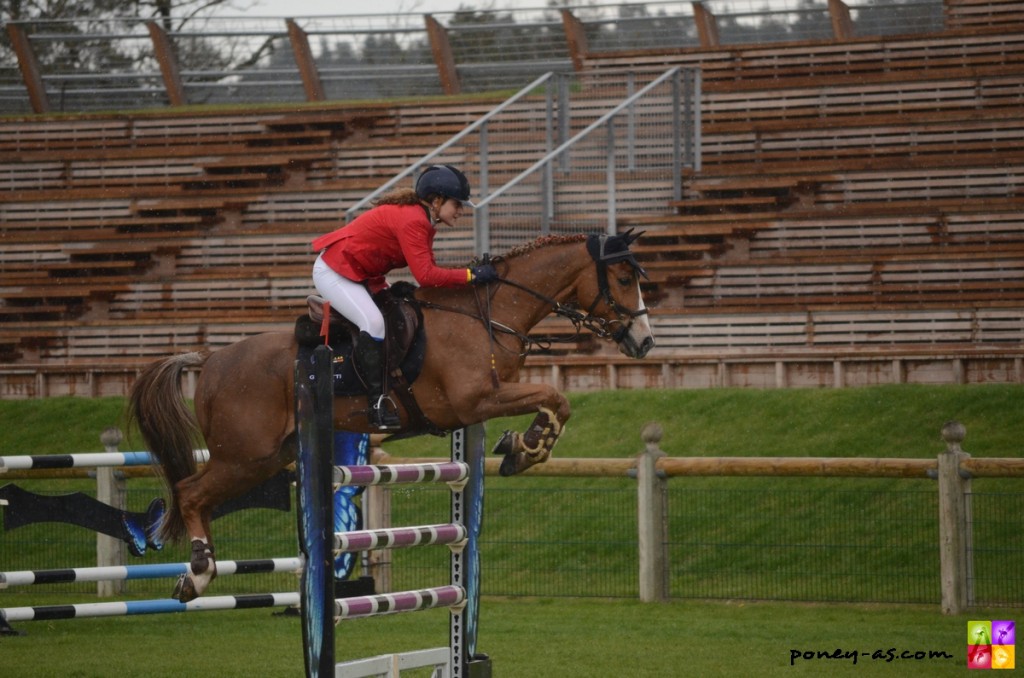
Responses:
[346,381]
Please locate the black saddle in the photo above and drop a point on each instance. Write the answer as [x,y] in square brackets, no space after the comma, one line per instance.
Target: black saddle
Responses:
[405,344]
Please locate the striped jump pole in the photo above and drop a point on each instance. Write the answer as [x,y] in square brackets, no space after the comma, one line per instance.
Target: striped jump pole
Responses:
[22,462]
[401,537]
[314,421]
[391,474]
[160,606]
[132,572]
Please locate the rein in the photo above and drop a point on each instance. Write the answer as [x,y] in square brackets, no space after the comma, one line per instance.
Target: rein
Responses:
[580,321]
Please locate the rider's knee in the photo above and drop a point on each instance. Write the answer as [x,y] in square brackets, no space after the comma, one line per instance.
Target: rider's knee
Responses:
[375,327]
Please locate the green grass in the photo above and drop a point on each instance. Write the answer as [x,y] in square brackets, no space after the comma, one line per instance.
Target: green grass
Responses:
[525,638]
[885,421]
[730,538]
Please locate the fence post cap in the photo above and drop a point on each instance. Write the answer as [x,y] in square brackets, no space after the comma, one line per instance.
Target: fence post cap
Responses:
[111,437]
[652,432]
[953,433]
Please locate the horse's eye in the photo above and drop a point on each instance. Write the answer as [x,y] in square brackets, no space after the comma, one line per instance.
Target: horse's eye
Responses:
[625,281]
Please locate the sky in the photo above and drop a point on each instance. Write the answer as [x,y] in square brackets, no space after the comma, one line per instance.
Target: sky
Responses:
[300,8]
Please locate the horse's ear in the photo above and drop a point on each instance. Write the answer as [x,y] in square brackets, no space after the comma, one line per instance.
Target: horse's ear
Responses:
[629,237]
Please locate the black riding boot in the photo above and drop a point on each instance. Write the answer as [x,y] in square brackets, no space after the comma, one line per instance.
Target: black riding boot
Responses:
[371,366]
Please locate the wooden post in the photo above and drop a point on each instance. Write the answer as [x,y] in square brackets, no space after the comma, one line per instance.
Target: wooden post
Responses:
[164,52]
[575,38]
[444,58]
[780,374]
[652,526]
[842,25]
[707,25]
[377,510]
[953,536]
[304,60]
[110,489]
[29,66]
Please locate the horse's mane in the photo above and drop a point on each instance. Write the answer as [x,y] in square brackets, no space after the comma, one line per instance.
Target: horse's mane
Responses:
[544,241]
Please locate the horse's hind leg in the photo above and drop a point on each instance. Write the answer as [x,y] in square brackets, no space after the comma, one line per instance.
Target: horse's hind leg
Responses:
[194,503]
[198,496]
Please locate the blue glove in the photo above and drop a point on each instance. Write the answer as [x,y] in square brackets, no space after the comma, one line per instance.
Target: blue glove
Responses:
[483,274]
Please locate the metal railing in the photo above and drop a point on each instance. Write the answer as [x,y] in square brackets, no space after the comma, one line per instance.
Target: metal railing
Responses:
[558,145]
[660,136]
[480,125]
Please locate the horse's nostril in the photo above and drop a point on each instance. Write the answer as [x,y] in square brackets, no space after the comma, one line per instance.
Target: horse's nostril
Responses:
[647,345]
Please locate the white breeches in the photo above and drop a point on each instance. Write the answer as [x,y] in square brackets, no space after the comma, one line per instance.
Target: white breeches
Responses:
[349,298]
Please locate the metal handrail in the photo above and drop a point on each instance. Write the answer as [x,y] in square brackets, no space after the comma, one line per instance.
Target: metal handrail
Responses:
[580,135]
[480,123]
[481,214]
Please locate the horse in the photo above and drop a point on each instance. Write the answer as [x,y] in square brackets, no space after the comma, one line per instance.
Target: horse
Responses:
[476,343]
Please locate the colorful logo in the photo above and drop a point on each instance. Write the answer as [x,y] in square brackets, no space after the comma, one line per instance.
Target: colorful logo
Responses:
[991,644]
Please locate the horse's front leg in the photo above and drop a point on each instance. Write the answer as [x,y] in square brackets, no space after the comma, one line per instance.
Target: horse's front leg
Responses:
[523,450]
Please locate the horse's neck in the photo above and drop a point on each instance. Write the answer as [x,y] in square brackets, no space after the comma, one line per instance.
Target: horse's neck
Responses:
[550,272]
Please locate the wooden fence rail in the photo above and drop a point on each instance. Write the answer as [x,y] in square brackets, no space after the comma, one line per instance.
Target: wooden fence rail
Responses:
[953,469]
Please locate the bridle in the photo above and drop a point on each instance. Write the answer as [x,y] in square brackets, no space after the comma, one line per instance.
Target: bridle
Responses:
[601,327]
[597,246]
[588,321]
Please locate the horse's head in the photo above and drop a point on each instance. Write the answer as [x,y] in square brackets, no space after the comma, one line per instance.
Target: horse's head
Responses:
[615,291]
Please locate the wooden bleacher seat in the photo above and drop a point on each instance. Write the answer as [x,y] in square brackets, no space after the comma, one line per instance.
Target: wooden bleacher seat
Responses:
[952,53]
[856,197]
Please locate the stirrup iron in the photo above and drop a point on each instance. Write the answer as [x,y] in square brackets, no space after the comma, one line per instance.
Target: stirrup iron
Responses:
[383,414]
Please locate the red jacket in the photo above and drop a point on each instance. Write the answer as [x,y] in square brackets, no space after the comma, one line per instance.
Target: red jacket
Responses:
[385,238]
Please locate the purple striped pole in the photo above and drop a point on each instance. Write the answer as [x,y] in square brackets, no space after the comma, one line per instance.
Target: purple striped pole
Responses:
[389,474]
[399,537]
[405,601]
[130,572]
[134,607]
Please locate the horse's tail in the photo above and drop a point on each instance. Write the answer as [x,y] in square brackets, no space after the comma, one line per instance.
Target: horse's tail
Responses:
[168,426]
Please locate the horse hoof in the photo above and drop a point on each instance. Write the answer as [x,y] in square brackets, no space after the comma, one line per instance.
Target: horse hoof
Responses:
[184,589]
[506,445]
[510,465]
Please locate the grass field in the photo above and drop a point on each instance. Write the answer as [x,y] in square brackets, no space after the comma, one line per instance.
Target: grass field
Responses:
[564,636]
[525,638]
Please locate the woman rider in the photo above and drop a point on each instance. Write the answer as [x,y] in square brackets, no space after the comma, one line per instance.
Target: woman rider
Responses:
[399,231]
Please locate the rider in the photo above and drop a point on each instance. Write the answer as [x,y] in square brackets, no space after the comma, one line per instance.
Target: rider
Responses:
[399,231]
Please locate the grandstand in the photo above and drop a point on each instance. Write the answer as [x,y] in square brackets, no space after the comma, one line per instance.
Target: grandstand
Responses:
[855,217]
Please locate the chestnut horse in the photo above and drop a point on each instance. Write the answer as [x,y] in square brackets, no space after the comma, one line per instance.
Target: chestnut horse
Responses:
[476,345]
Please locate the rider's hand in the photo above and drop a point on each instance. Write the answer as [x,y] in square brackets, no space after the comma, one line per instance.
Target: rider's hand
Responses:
[481,275]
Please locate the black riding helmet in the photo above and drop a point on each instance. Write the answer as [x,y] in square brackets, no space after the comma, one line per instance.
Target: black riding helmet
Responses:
[443,180]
